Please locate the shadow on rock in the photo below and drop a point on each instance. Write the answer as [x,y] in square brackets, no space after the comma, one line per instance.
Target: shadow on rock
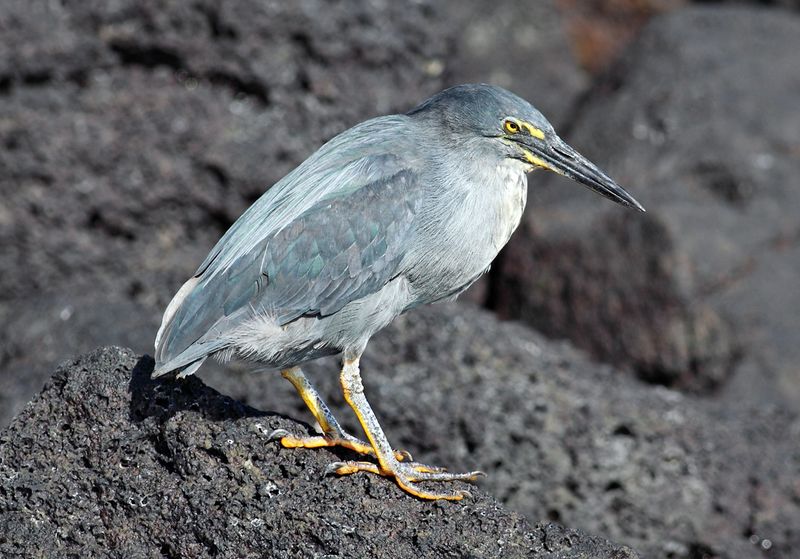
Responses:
[162,398]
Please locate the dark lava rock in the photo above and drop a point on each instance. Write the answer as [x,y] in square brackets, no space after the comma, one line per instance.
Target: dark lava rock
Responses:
[106,462]
[133,133]
[561,438]
[565,439]
[781,4]
[599,30]
[699,120]
[51,327]
[521,46]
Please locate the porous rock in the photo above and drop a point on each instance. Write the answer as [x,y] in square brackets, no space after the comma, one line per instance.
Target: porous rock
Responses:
[520,46]
[106,462]
[699,121]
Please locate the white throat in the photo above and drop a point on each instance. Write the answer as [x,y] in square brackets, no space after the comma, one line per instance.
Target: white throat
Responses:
[512,187]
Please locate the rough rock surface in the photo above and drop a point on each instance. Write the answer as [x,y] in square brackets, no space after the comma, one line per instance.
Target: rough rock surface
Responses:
[55,326]
[699,119]
[560,437]
[106,461]
[599,30]
[520,46]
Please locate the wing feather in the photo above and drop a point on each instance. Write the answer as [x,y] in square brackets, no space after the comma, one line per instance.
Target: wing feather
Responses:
[326,235]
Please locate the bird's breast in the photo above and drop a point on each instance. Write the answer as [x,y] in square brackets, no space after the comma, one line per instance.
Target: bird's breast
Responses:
[511,195]
[469,232]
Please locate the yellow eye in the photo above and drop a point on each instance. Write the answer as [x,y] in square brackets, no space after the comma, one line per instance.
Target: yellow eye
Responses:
[511,127]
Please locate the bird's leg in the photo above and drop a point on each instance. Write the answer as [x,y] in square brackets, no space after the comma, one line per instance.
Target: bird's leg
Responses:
[404,473]
[334,435]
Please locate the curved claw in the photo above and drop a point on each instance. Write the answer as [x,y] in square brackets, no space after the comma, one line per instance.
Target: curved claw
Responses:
[332,468]
[277,435]
[403,455]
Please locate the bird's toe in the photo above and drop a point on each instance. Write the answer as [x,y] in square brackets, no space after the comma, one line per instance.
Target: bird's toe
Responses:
[423,472]
[411,487]
[351,467]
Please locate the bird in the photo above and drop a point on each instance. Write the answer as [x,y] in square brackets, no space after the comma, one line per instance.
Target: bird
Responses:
[397,212]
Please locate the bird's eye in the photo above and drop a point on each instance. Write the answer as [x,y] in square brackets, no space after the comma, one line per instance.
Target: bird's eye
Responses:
[511,127]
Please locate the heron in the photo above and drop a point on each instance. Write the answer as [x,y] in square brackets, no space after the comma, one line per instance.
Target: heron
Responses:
[397,212]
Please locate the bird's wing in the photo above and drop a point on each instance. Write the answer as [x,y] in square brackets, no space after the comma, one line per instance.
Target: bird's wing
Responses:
[331,232]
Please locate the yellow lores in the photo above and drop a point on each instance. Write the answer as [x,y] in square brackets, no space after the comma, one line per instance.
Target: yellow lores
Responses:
[540,162]
[532,130]
[513,126]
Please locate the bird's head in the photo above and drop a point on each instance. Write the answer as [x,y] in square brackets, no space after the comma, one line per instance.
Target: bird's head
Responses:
[513,128]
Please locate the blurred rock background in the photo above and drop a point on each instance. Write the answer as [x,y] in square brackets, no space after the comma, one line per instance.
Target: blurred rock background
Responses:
[132,134]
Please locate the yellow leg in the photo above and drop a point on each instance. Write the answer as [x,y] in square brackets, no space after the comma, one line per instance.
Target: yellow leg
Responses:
[311,397]
[334,435]
[404,473]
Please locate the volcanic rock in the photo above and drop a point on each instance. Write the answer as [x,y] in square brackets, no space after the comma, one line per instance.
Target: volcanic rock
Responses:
[106,462]
[699,121]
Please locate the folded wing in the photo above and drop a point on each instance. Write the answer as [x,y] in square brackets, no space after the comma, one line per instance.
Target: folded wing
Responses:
[331,232]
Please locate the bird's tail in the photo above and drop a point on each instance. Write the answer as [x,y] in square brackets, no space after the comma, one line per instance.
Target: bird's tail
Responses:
[169,314]
[185,362]
[182,372]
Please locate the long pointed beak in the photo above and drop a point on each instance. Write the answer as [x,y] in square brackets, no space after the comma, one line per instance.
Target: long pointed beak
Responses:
[562,158]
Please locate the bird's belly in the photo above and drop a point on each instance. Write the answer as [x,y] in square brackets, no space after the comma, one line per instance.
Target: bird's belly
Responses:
[310,337]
